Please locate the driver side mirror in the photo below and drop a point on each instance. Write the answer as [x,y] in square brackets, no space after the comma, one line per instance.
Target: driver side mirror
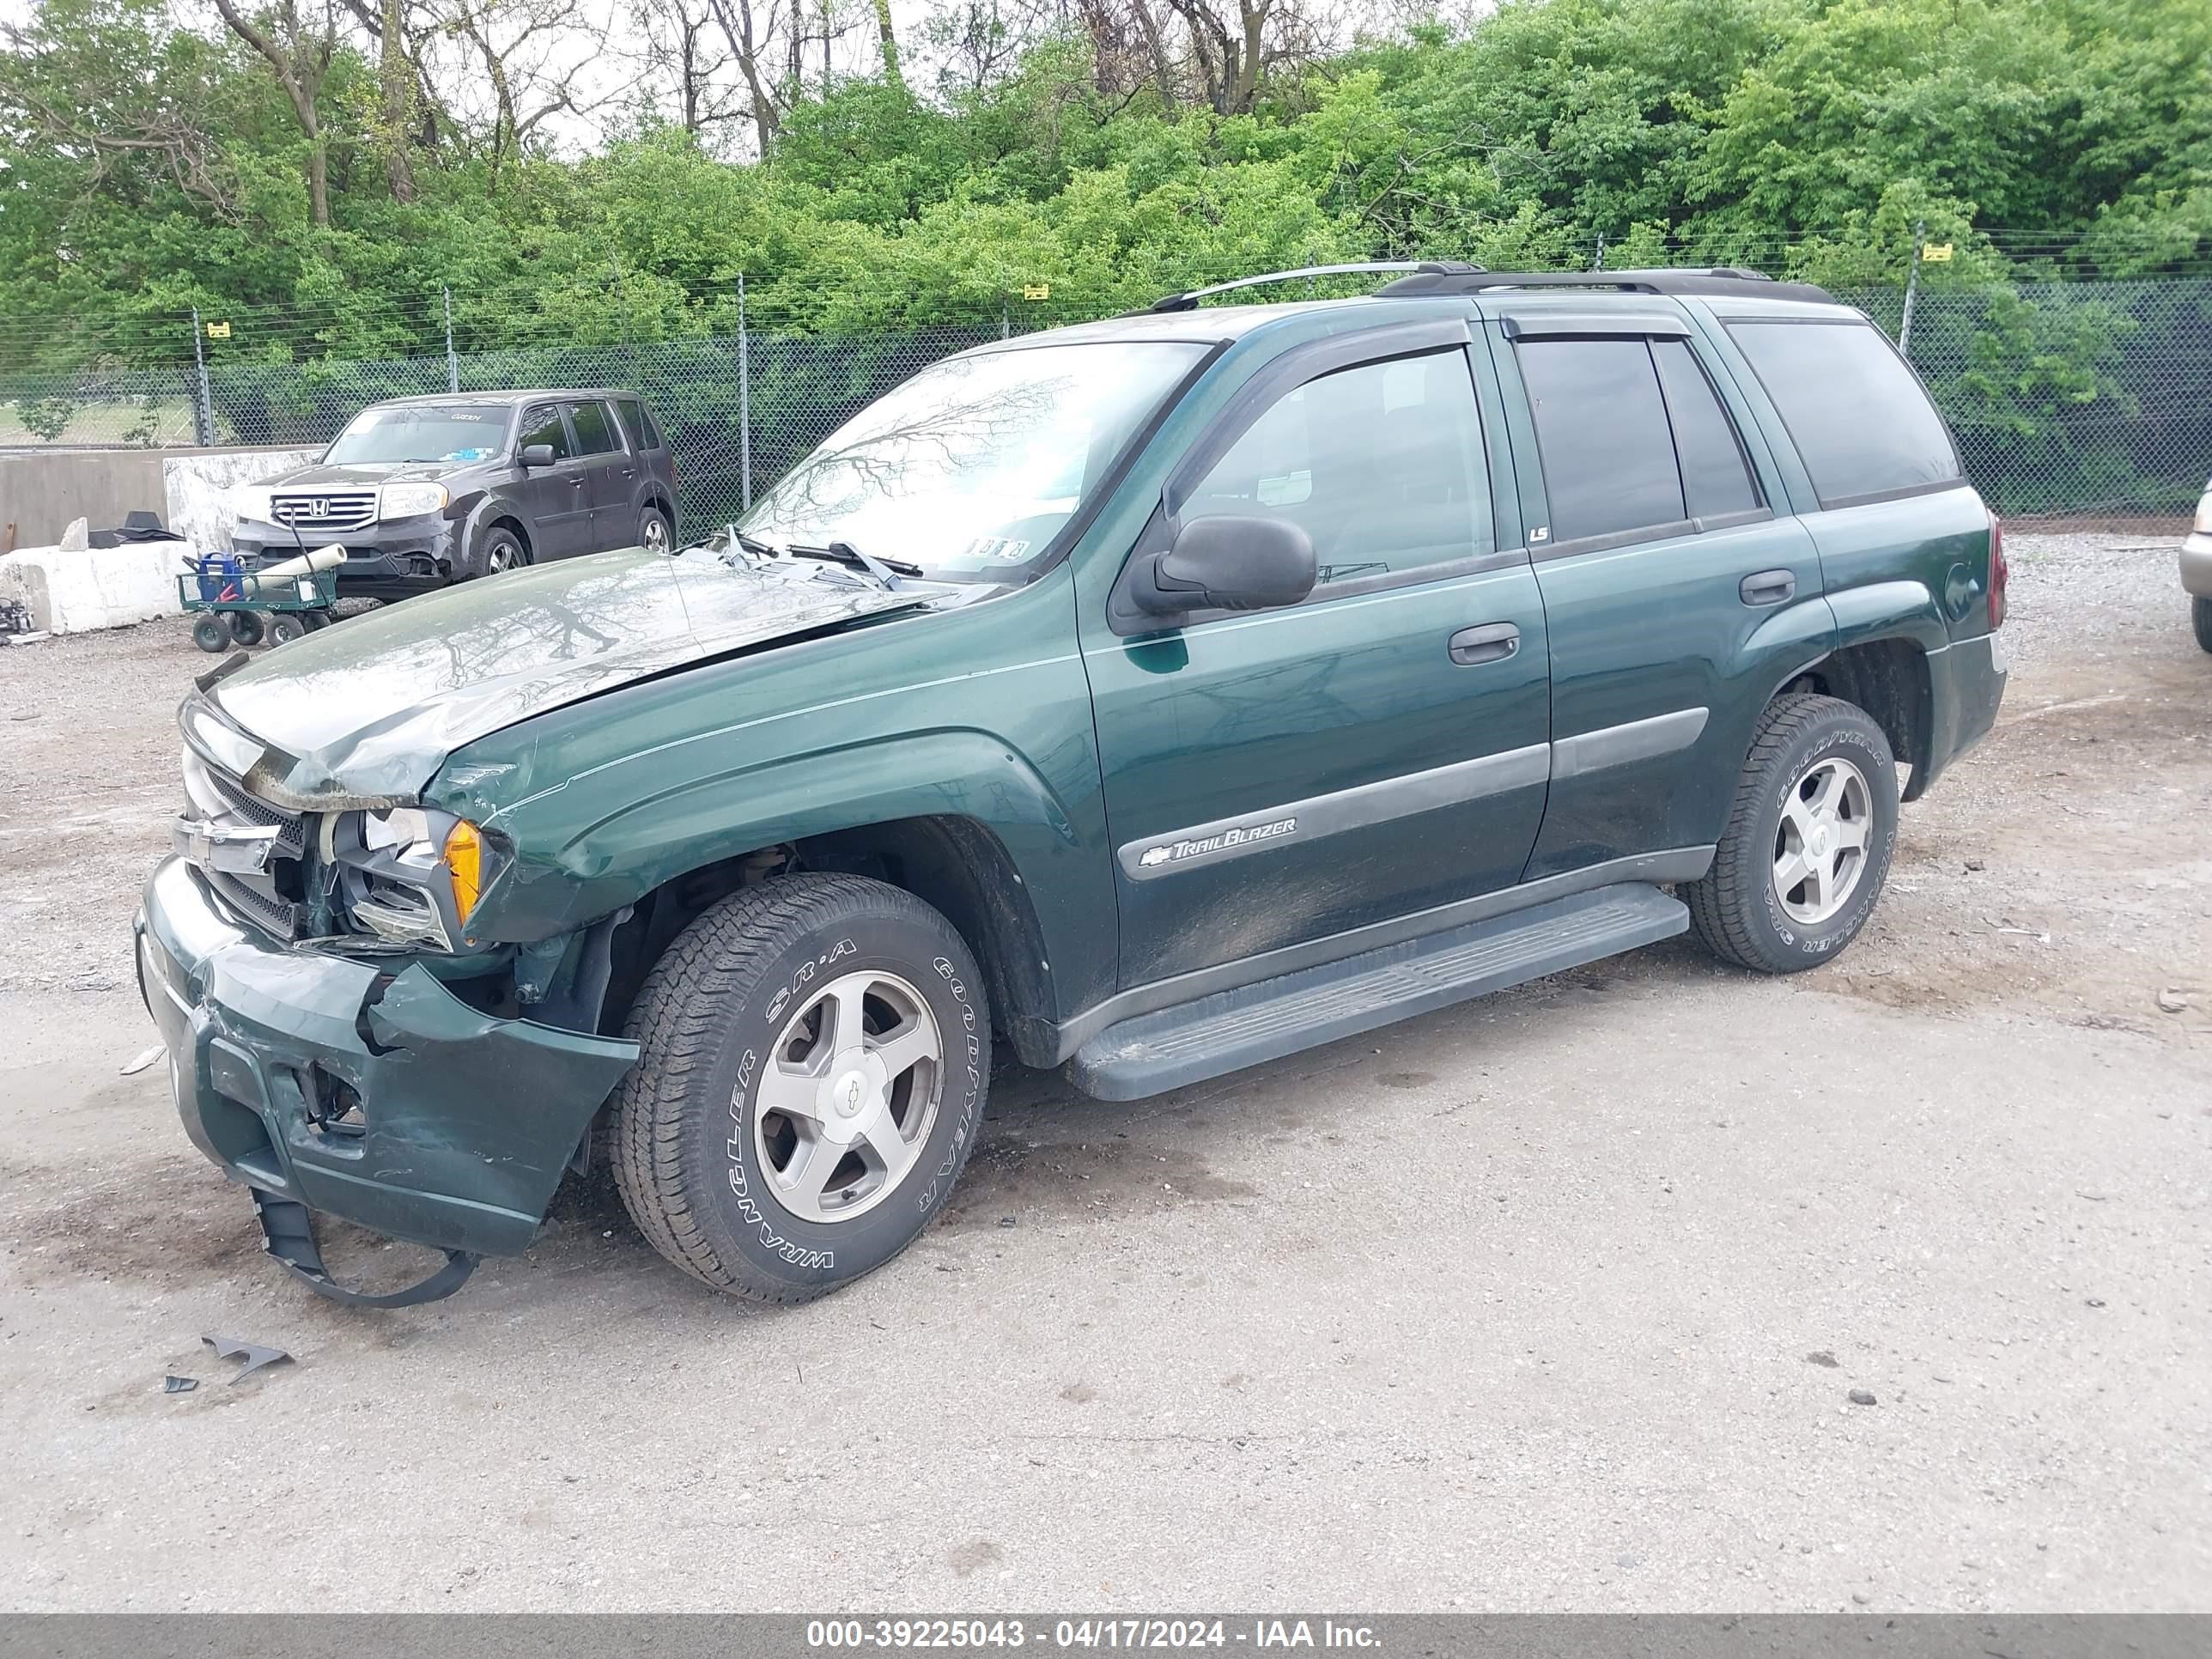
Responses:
[536,455]
[1226,563]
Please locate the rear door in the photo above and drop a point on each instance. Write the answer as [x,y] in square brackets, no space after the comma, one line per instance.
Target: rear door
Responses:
[656,461]
[557,497]
[1679,599]
[610,473]
[1276,778]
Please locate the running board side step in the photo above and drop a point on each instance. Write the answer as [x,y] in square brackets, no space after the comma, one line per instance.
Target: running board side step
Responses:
[1230,1029]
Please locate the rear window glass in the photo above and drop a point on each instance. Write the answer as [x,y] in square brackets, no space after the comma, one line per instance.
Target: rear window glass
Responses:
[1715,478]
[1601,431]
[1858,417]
[644,430]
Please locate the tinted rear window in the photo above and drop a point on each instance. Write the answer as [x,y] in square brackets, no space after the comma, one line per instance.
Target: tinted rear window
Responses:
[644,430]
[1715,478]
[1861,423]
[1602,430]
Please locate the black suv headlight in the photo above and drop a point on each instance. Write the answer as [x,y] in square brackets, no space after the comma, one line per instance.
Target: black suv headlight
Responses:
[411,875]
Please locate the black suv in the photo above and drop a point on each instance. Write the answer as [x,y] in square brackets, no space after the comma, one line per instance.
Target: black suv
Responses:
[422,491]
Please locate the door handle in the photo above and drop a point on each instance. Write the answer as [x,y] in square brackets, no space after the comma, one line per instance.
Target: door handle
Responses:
[1764,587]
[1491,642]
[577,480]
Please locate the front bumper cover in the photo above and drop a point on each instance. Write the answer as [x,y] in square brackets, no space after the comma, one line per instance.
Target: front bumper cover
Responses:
[2197,565]
[398,557]
[460,1123]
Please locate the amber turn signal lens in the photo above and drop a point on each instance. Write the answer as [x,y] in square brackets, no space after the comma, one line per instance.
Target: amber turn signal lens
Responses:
[465,863]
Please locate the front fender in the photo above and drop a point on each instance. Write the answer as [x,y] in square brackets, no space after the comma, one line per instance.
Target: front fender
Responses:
[675,820]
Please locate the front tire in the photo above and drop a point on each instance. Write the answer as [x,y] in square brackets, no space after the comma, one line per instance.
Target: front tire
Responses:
[2200,618]
[1808,846]
[212,634]
[815,1051]
[500,550]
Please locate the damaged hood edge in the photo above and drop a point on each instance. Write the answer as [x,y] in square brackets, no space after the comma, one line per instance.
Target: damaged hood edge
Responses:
[363,715]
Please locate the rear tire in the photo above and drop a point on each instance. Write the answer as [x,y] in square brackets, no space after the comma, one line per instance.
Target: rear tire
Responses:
[2200,618]
[815,1053]
[1808,846]
[283,629]
[246,627]
[653,534]
[212,634]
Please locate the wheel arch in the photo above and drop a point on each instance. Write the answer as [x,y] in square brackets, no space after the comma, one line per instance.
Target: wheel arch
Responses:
[956,863]
[1889,678]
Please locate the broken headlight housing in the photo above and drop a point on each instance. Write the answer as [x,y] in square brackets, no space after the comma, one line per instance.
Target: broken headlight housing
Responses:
[411,875]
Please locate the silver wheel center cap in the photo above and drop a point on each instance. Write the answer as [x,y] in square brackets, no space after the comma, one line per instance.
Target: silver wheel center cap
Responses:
[848,1094]
[1817,843]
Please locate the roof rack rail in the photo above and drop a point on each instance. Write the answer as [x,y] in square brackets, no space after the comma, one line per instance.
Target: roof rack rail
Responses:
[1188,301]
[1735,280]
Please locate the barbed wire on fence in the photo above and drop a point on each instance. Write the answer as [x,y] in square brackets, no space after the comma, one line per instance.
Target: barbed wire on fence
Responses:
[2066,397]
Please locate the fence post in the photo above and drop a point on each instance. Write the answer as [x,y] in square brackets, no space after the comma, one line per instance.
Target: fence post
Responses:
[1600,265]
[1911,291]
[203,399]
[744,402]
[452,363]
[1006,320]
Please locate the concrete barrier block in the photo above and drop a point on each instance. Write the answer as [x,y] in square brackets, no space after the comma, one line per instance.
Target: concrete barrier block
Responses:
[198,489]
[74,593]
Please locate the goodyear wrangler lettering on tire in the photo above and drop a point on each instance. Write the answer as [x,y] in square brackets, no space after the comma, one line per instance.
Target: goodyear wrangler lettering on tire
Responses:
[812,1048]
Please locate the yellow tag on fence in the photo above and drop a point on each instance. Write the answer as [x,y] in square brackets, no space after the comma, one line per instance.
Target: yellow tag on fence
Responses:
[218,331]
[1036,290]
[1936,253]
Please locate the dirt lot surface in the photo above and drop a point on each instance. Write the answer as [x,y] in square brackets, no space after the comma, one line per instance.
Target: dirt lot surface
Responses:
[1557,1300]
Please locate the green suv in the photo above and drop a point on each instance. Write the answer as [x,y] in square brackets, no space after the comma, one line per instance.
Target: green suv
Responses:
[1154,697]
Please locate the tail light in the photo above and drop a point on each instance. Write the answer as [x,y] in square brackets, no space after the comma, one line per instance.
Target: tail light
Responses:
[2000,572]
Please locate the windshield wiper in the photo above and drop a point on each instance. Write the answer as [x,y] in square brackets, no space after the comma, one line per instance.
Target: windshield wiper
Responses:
[846,553]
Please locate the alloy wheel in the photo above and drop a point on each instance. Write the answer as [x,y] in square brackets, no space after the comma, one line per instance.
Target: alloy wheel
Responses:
[848,1096]
[1820,844]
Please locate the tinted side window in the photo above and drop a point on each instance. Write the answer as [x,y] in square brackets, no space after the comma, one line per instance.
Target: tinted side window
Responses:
[1861,423]
[542,424]
[1381,464]
[1715,477]
[1601,431]
[595,434]
[644,430]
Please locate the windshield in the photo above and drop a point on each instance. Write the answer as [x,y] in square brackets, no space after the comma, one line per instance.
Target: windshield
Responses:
[970,468]
[460,431]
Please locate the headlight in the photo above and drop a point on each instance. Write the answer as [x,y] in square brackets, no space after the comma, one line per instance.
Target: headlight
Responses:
[252,501]
[409,501]
[411,875]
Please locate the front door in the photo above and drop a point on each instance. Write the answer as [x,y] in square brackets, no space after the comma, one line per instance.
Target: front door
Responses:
[1279,777]
[557,497]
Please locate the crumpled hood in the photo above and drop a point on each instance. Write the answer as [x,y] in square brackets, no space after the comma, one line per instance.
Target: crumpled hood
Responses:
[367,711]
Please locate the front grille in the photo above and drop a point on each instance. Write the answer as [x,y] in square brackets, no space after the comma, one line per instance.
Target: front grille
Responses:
[232,799]
[276,915]
[213,793]
[333,511]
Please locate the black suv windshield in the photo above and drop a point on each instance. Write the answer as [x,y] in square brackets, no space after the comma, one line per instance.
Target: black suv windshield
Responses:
[420,432]
[970,468]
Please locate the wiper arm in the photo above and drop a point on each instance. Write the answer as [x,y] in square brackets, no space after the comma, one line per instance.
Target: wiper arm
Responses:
[846,553]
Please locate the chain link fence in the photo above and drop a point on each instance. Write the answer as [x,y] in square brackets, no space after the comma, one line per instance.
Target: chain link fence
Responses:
[2084,399]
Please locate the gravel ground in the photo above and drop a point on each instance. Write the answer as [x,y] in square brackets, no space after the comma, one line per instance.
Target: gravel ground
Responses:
[1556,1301]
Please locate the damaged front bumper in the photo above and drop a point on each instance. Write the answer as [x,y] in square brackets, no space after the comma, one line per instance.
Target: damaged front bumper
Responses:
[334,1084]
